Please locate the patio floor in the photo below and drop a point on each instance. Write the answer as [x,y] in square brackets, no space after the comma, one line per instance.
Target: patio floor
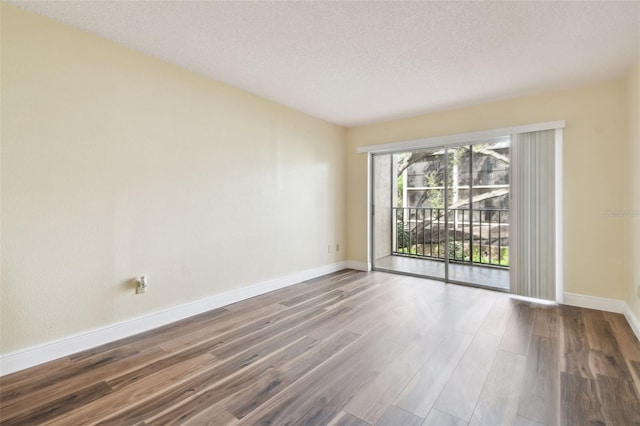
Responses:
[480,275]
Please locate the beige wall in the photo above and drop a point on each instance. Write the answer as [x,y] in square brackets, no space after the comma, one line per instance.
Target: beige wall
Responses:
[116,164]
[632,204]
[595,148]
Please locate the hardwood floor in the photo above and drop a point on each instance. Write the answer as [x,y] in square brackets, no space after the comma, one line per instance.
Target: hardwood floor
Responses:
[350,348]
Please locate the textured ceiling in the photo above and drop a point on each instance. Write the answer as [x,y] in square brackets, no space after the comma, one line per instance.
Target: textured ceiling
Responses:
[353,63]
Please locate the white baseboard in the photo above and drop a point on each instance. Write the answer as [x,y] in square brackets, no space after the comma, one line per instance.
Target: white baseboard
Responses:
[357,265]
[632,320]
[603,304]
[592,302]
[49,351]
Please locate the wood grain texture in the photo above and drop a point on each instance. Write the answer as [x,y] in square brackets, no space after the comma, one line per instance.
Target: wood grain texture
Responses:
[498,402]
[374,398]
[619,400]
[211,416]
[143,388]
[349,348]
[321,395]
[627,340]
[634,366]
[394,416]
[579,401]
[59,384]
[59,406]
[461,393]
[262,389]
[540,391]
[517,335]
[575,345]
[438,418]
[498,317]
[345,419]
[422,391]
[523,421]
[545,323]
[604,352]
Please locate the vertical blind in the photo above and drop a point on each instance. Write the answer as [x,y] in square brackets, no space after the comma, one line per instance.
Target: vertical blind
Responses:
[533,210]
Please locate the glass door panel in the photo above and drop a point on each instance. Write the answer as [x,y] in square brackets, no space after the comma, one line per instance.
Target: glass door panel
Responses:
[478,210]
[443,212]
[408,192]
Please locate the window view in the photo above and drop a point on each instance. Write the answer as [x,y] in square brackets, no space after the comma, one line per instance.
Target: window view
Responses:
[448,203]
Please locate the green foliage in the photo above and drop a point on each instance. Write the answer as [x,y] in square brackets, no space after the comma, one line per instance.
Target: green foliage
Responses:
[402,235]
[457,252]
[504,256]
[435,196]
[400,190]
[411,251]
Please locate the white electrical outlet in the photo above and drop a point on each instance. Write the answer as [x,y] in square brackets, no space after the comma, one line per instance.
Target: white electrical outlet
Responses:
[142,285]
[337,247]
[329,249]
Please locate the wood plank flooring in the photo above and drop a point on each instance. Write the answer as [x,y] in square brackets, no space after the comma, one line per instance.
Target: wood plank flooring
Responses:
[349,348]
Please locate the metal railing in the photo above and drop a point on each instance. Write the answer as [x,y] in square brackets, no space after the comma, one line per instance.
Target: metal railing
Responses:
[476,236]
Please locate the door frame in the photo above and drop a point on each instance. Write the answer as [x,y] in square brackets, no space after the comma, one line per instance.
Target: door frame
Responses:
[462,139]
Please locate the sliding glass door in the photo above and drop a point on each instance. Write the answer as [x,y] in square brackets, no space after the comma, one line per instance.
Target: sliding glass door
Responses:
[409,228]
[478,211]
[443,212]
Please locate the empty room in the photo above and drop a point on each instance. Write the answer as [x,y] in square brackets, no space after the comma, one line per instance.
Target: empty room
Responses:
[319,213]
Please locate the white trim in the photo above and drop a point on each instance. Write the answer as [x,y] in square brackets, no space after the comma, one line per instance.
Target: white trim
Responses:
[360,266]
[49,351]
[460,137]
[593,302]
[632,320]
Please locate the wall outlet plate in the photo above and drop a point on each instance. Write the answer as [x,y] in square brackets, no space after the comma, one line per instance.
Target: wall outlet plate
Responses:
[142,285]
